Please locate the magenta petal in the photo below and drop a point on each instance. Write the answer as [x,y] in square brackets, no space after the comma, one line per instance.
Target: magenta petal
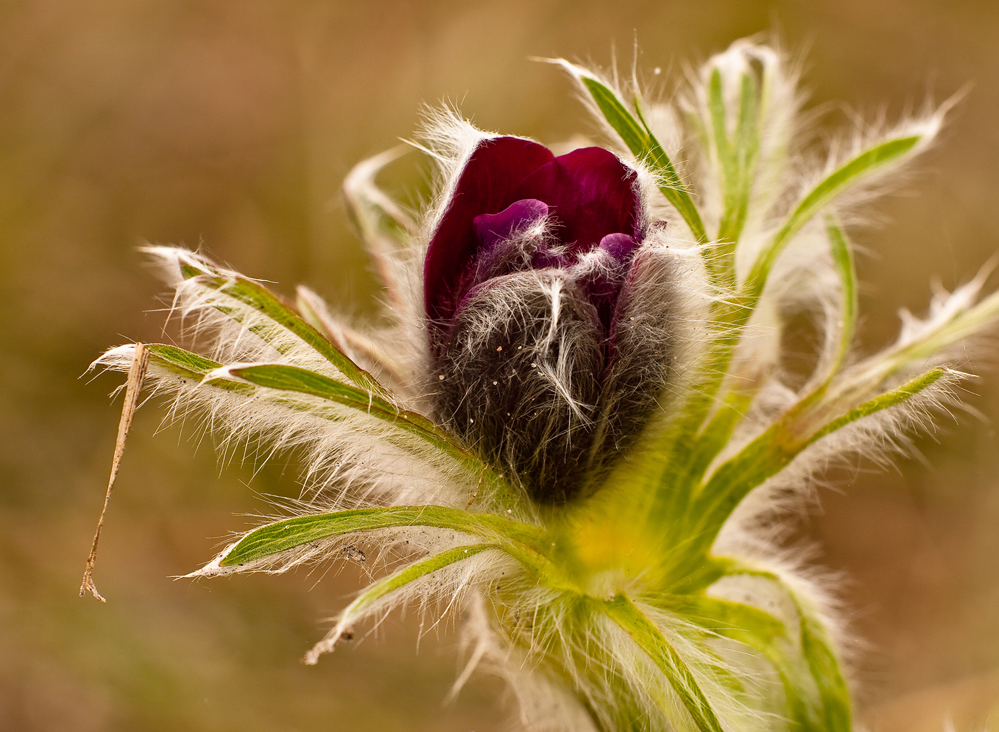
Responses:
[486,185]
[619,246]
[603,285]
[591,194]
[501,247]
[520,215]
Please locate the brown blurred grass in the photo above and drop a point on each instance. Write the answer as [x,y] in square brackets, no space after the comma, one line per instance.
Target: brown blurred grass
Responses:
[230,125]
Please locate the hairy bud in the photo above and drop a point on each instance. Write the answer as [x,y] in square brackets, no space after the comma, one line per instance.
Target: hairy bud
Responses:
[532,325]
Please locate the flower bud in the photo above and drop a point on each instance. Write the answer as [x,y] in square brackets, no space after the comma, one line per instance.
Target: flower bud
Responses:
[526,286]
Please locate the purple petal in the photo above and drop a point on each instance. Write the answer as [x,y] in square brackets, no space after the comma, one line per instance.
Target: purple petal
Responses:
[518,216]
[486,185]
[619,246]
[602,284]
[591,194]
[502,248]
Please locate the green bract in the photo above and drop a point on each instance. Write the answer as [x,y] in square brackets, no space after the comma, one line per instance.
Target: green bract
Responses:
[658,599]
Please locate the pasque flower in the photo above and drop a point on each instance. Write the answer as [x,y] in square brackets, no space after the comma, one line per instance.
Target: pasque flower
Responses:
[528,287]
[578,428]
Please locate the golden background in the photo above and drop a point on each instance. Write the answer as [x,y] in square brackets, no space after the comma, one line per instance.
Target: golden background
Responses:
[229,125]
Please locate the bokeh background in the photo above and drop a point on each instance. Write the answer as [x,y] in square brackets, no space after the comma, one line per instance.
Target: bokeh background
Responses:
[229,125]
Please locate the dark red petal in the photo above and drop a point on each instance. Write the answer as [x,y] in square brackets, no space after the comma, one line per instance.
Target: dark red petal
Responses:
[591,194]
[486,185]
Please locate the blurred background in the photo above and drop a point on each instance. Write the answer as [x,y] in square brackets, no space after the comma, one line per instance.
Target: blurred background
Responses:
[230,125]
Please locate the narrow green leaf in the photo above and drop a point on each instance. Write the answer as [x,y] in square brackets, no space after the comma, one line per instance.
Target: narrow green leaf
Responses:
[618,117]
[674,188]
[689,453]
[281,536]
[744,155]
[882,401]
[945,332]
[412,573]
[825,667]
[842,255]
[186,361]
[769,453]
[638,138]
[747,132]
[393,583]
[716,434]
[727,158]
[736,313]
[734,620]
[262,300]
[769,637]
[858,168]
[817,649]
[188,365]
[303,381]
[651,640]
